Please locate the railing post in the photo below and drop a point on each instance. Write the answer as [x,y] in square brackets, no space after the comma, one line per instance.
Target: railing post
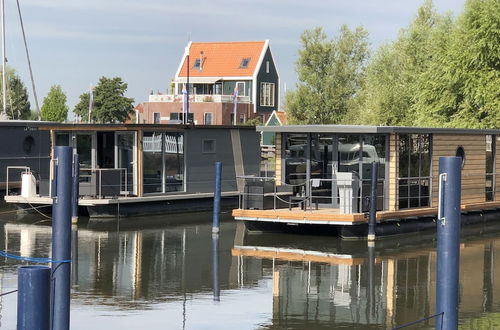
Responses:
[372,221]
[217,197]
[448,242]
[61,240]
[33,298]
[76,187]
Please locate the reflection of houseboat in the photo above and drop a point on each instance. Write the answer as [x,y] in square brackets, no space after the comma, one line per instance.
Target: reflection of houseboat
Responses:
[22,144]
[139,169]
[326,169]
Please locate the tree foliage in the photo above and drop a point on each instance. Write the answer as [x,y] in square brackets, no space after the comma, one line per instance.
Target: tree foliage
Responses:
[461,87]
[329,74]
[391,82]
[18,105]
[109,103]
[54,106]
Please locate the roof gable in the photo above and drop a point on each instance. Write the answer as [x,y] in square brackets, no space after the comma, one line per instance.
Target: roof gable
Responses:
[223,59]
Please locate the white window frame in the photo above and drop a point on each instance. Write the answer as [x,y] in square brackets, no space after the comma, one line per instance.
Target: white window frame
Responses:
[267,91]
[211,118]
[267,66]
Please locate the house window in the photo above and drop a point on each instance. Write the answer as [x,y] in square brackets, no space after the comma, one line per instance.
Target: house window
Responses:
[241,88]
[197,64]
[244,63]
[490,167]
[207,118]
[156,117]
[267,66]
[267,94]
[208,146]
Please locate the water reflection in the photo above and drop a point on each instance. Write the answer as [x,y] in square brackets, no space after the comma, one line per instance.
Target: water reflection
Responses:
[269,281]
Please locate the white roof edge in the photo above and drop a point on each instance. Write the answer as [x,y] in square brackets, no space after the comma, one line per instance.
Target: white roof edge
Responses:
[182,61]
[256,71]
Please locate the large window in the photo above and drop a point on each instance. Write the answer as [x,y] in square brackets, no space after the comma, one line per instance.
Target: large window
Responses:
[414,170]
[163,162]
[490,167]
[267,94]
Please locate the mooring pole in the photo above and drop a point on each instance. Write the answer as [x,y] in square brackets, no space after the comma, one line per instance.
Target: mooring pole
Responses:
[61,240]
[448,243]
[217,195]
[215,266]
[33,298]
[76,187]
[372,221]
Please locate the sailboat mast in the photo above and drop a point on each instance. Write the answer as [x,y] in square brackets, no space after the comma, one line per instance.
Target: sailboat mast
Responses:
[4,83]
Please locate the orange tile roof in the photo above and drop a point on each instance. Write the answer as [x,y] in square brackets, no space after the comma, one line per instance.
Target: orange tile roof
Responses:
[223,59]
[281,117]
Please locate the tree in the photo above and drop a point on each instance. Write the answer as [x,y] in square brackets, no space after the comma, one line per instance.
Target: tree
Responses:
[109,103]
[461,86]
[54,106]
[18,105]
[329,74]
[391,85]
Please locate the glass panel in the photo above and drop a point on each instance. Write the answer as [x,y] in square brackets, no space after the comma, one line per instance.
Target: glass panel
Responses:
[414,156]
[126,142]
[425,155]
[490,163]
[321,167]
[404,154]
[174,162]
[62,139]
[374,151]
[84,150]
[152,162]
[349,153]
[295,158]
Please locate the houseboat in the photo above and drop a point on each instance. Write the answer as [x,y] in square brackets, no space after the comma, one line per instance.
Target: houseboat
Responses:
[23,146]
[323,178]
[137,169]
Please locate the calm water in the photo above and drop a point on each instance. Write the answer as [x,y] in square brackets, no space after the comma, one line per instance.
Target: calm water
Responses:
[170,273]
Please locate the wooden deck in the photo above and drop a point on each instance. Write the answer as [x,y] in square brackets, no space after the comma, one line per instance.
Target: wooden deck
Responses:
[328,216]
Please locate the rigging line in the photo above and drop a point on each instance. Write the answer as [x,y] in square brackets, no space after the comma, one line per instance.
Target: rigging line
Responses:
[28,58]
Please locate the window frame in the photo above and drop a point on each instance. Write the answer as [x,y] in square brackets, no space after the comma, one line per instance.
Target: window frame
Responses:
[267,94]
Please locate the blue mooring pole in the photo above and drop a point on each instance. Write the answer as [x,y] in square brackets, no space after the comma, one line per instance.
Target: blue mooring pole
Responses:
[33,298]
[372,221]
[75,188]
[61,240]
[448,243]
[217,194]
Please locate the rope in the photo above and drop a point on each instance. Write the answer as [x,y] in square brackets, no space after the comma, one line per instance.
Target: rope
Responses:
[30,259]
[8,292]
[418,321]
[33,208]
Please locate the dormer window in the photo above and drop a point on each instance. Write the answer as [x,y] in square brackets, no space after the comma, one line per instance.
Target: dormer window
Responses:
[197,64]
[244,63]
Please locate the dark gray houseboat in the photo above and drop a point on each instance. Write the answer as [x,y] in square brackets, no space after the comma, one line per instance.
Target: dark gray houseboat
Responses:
[137,169]
[23,148]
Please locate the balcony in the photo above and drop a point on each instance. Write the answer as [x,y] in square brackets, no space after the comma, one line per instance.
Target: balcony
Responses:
[199,98]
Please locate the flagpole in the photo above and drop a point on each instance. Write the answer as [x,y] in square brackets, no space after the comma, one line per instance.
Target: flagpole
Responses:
[91,101]
[4,80]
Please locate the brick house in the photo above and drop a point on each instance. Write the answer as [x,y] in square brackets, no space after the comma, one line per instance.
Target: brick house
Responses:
[217,72]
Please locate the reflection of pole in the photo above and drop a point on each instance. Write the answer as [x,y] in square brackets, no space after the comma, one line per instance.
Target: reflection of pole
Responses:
[215,266]
[448,242]
[61,240]
[4,74]
[33,299]
[488,278]
[371,286]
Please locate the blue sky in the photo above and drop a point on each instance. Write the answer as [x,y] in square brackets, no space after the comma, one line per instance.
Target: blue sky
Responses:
[74,42]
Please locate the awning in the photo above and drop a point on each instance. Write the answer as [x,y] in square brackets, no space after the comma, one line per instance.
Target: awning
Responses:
[198,80]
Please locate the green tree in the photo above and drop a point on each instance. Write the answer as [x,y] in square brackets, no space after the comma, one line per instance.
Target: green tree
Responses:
[461,86]
[18,105]
[391,83]
[329,74]
[109,103]
[54,106]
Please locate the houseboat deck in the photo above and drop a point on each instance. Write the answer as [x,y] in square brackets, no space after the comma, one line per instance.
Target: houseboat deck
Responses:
[332,216]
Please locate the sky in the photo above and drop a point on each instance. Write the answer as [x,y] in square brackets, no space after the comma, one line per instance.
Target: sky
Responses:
[73,43]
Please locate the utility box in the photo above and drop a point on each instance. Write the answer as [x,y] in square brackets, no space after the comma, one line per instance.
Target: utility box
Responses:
[348,185]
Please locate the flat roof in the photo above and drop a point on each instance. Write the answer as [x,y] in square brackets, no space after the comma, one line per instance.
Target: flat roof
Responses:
[130,127]
[360,129]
